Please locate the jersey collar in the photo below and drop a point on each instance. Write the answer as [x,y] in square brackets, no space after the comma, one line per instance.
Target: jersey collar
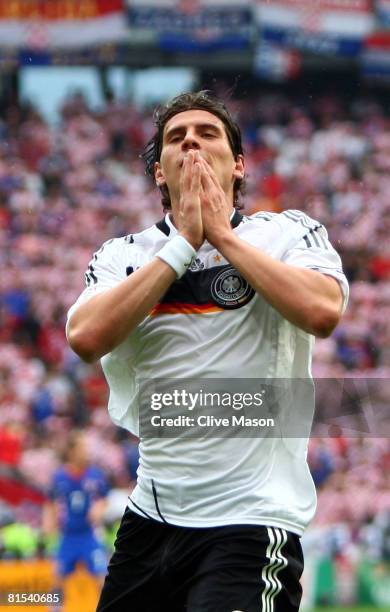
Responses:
[235,218]
[166,226]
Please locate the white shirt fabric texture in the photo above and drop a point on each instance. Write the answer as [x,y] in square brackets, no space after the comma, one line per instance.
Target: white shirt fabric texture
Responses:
[261,480]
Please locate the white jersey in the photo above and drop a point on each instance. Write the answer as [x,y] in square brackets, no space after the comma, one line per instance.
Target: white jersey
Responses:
[211,324]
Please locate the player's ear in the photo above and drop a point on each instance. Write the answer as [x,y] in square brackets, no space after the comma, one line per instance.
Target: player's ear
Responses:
[239,167]
[158,175]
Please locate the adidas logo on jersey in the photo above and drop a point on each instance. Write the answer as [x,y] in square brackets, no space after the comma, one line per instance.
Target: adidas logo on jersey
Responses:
[196,265]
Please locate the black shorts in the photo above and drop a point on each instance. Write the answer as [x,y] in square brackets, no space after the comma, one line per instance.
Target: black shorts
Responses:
[158,567]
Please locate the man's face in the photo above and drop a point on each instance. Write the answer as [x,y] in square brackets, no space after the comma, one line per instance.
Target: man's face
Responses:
[200,131]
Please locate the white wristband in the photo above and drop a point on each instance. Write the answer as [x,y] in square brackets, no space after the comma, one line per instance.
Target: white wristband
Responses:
[178,253]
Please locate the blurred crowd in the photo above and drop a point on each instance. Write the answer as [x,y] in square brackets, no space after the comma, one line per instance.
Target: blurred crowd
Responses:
[66,189]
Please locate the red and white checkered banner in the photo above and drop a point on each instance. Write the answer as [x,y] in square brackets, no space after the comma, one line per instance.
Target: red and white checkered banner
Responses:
[337,17]
[338,26]
[375,57]
[51,24]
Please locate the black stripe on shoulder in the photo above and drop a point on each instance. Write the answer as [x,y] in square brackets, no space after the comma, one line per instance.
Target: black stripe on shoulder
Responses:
[163,227]
[315,238]
[92,273]
[293,213]
[299,217]
[323,241]
[293,216]
[90,276]
[311,225]
[309,240]
[266,216]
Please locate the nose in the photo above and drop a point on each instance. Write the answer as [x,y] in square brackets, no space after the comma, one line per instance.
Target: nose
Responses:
[190,141]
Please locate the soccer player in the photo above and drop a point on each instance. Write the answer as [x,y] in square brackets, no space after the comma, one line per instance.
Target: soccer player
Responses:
[76,507]
[213,525]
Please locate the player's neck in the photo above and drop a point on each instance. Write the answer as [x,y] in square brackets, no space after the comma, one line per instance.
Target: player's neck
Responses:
[76,469]
[172,215]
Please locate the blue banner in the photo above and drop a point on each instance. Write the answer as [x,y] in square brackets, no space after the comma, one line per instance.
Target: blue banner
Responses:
[318,43]
[209,28]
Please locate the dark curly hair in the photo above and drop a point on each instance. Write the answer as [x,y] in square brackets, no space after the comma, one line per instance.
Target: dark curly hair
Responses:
[200,100]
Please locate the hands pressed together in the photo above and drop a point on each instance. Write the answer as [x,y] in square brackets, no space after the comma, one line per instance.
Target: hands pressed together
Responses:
[204,211]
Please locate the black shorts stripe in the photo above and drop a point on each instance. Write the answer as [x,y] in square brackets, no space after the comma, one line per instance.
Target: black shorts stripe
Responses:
[273,586]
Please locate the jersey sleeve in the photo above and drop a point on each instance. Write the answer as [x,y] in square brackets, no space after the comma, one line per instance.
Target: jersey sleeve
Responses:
[100,482]
[105,270]
[53,492]
[103,488]
[315,252]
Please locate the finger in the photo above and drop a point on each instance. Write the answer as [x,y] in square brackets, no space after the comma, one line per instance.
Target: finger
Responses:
[208,176]
[207,181]
[184,182]
[203,198]
[210,172]
[196,178]
[186,171]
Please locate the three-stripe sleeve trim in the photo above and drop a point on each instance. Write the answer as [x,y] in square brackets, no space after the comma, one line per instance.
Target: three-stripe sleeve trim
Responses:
[90,275]
[313,238]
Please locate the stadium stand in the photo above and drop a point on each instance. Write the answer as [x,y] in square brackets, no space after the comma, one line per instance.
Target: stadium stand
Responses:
[65,190]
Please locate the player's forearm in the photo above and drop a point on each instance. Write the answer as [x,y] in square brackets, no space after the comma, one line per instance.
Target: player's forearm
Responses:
[102,323]
[49,519]
[308,299]
[96,513]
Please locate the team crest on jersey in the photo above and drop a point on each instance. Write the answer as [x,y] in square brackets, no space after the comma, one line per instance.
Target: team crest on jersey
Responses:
[196,265]
[230,290]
